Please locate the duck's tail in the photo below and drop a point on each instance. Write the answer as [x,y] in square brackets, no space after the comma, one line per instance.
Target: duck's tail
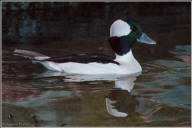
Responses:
[30,55]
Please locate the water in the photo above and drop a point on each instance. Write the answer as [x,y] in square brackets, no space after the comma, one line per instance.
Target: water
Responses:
[159,96]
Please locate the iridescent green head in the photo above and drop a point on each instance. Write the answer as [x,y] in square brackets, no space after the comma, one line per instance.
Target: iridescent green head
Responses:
[124,34]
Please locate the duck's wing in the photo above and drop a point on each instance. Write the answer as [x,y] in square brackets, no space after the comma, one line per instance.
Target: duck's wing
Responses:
[83,58]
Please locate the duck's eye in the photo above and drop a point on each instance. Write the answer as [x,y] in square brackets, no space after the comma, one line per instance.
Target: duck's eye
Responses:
[133,28]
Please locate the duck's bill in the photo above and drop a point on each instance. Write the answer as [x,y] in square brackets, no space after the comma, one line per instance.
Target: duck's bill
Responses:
[145,39]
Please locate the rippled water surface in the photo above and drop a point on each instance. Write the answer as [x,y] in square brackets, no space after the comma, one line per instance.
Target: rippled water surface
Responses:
[159,96]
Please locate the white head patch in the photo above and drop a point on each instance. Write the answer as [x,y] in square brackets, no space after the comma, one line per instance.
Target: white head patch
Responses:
[119,28]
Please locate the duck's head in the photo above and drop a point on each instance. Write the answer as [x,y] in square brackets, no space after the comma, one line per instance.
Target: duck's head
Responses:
[124,34]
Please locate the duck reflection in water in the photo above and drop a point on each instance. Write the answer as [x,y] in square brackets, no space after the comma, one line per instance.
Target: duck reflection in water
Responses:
[121,101]
[123,96]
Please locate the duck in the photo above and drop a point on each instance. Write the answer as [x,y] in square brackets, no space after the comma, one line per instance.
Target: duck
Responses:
[122,37]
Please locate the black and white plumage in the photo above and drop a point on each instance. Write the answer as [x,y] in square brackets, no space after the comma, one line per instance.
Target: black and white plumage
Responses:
[81,64]
[123,63]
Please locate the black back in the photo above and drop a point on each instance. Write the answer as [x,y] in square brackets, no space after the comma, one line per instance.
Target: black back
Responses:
[83,58]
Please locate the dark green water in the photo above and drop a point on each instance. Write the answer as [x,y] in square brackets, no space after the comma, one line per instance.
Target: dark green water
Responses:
[160,96]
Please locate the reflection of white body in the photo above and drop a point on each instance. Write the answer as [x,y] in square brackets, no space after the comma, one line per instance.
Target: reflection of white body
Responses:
[124,82]
[111,109]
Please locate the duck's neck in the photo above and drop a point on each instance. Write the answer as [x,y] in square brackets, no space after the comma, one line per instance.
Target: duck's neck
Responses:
[129,62]
[125,58]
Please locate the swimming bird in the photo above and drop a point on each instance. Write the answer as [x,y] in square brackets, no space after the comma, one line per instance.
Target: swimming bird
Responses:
[122,37]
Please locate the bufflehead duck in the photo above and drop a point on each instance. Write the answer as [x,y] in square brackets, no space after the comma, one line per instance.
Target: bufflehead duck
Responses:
[122,36]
